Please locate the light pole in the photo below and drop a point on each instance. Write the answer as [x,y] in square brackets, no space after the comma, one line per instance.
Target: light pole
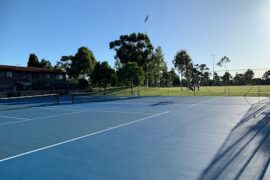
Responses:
[145,21]
[213,56]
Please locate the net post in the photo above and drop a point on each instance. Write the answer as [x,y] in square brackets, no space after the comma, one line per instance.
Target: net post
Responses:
[57,99]
[72,98]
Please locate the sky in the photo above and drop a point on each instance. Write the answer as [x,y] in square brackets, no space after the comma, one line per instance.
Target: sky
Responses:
[239,29]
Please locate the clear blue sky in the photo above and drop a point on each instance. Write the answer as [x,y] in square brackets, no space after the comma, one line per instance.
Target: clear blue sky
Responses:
[239,29]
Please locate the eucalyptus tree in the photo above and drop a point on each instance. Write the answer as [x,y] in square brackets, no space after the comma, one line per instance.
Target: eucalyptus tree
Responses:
[33,61]
[223,63]
[135,47]
[131,74]
[102,75]
[183,63]
[157,66]
[248,76]
[80,64]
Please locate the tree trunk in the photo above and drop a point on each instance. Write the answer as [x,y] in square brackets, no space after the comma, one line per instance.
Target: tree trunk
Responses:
[131,87]
[105,87]
[181,81]
[226,79]
[147,79]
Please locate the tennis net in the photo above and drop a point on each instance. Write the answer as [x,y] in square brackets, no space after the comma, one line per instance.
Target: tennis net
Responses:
[91,97]
[28,101]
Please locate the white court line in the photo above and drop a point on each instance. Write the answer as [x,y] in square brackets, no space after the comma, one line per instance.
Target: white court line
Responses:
[54,108]
[202,102]
[22,120]
[99,109]
[123,112]
[102,110]
[86,110]
[12,117]
[44,117]
[81,137]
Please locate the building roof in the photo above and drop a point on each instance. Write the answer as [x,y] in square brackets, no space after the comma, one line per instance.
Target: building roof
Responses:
[29,69]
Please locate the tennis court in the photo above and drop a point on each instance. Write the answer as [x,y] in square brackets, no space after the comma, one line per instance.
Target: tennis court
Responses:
[136,138]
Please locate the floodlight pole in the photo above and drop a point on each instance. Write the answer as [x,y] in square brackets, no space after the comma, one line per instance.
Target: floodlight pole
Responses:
[145,30]
[213,56]
[145,24]
[145,21]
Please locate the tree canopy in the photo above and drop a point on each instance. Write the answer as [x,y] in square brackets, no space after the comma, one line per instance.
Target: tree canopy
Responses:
[137,61]
[157,66]
[216,79]
[248,76]
[174,79]
[266,75]
[183,63]
[33,61]
[103,74]
[223,61]
[204,74]
[81,64]
[132,74]
[45,64]
[226,77]
[135,47]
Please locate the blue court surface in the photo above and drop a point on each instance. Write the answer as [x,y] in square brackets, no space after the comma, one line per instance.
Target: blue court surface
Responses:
[138,138]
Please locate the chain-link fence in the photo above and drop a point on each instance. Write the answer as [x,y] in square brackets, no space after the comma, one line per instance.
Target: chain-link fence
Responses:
[241,82]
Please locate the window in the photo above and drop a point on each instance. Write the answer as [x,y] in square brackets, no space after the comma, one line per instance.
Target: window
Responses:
[48,76]
[23,76]
[3,74]
[9,74]
[59,77]
[35,75]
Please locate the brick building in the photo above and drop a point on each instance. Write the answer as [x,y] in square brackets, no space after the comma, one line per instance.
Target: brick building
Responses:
[15,78]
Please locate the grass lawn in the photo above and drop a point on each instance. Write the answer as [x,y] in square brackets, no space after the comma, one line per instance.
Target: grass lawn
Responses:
[204,91]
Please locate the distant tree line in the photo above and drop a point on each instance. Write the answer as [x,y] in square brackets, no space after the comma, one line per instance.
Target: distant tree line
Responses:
[137,63]
[246,78]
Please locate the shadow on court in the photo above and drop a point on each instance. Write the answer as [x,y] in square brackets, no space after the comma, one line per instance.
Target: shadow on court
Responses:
[162,103]
[246,152]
